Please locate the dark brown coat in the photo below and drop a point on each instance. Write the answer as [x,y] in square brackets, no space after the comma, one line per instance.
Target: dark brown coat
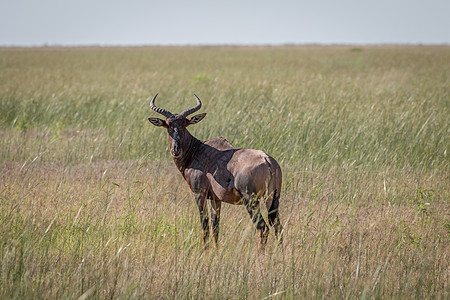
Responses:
[217,171]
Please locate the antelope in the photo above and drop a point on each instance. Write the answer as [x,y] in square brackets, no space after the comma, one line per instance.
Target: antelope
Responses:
[219,172]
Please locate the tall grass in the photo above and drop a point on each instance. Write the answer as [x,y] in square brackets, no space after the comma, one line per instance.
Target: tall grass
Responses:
[92,206]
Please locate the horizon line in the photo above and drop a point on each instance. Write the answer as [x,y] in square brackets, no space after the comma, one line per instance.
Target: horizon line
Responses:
[194,45]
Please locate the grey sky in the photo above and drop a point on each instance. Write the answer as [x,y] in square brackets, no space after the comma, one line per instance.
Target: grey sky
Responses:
[175,22]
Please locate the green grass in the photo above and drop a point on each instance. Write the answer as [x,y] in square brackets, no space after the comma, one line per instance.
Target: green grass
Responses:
[92,205]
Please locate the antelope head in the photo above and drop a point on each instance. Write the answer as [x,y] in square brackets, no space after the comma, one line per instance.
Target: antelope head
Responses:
[179,137]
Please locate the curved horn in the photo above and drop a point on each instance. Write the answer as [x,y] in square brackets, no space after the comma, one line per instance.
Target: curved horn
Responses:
[189,111]
[161,111]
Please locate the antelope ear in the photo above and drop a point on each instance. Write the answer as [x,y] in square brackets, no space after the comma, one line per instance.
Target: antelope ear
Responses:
[195,119]
[157,122]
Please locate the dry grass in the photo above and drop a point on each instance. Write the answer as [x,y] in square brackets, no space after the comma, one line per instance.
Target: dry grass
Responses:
[92,206]
[129,229]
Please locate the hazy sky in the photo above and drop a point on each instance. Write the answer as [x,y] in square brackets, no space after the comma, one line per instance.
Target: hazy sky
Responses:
[174,22]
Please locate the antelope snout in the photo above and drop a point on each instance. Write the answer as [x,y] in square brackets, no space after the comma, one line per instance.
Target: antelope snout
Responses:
[175,148]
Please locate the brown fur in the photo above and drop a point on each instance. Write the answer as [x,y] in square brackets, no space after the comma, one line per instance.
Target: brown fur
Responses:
[217,171]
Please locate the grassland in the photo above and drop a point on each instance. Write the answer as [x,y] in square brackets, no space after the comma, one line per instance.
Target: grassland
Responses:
[93,207]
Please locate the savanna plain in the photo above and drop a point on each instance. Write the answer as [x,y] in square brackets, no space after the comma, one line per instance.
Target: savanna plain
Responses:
[92,205]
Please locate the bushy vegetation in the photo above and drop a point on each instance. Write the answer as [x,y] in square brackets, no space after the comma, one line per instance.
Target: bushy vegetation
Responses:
[92,206]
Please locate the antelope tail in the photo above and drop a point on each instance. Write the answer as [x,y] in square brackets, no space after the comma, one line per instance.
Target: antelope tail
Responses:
[272,180]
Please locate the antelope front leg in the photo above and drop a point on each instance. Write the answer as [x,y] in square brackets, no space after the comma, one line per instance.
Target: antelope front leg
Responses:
[215,218]
[200,200]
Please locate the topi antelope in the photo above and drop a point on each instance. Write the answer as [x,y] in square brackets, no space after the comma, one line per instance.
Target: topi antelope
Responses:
[217,171]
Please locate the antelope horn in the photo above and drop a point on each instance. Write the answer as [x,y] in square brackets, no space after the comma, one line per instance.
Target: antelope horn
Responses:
[161,111]
[189,111]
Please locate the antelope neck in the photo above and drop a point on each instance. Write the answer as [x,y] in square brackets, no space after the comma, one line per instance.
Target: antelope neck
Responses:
[183,162]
